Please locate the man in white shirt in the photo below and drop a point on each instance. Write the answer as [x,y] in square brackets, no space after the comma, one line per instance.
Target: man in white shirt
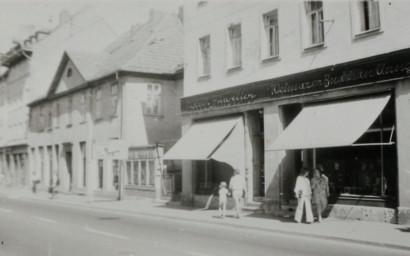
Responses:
[237,187]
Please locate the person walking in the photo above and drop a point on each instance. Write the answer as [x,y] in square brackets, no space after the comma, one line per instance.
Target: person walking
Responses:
[223,196]
[237,187]
[320,187]
[303,193]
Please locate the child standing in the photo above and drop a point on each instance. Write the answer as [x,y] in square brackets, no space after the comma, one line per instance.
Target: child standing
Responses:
[223,194]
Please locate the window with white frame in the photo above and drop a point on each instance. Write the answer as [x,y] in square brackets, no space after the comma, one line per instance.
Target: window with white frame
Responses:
[366,16]
[204,59]
[69,111]
[140,173]
[58,114]
[314,23]
[114,99]
[234,51]
[83,106]
[98,102]
[153,103]
[270,35]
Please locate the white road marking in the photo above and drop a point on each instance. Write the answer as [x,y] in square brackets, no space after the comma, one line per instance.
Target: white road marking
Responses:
[198,254]
[106,233]
[5,210]
[44,219]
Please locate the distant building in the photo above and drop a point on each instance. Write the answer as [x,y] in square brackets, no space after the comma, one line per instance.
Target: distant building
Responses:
[129,92]
[271,86]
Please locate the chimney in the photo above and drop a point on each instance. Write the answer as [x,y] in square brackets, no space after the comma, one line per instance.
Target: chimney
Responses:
[181,14]
[64,16]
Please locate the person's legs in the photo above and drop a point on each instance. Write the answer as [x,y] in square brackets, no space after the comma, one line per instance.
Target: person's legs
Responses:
[319,211]
[223,209]
[309,214]
[299,210]
[236,198]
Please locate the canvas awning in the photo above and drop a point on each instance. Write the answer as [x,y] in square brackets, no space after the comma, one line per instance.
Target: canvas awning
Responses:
[330,124]
[220,139]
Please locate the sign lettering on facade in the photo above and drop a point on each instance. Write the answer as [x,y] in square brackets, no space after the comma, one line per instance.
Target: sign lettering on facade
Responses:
[380,68]
[142,153]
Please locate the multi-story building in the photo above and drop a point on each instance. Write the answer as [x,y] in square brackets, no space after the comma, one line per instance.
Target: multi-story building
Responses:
[273,86]
[128,93]
[31,63]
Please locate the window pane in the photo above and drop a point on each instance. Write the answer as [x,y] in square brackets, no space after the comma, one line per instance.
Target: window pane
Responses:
[129,173]
[135,165]
[143,173]
[151,173]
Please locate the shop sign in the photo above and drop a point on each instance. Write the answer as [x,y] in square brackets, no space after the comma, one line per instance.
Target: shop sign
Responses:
[110,149]
[375,69]
[142,153]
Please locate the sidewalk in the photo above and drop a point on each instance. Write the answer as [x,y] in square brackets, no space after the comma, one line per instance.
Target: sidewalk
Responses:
[381,234]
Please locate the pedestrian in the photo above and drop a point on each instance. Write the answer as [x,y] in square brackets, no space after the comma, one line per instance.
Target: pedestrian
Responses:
[55,182]
[320,187]
[303,193]
[223,197]
[237,187]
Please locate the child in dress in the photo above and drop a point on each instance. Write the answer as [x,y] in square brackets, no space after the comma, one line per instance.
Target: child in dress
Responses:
[223,194]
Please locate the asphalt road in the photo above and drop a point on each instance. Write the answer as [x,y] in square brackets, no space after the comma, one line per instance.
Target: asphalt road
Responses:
[35,228]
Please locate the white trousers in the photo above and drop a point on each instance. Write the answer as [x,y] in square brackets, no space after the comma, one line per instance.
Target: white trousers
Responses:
[305,200]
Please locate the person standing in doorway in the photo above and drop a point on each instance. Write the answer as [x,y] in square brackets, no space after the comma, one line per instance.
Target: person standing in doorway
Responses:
[237,187]
[303,193]
[320,189]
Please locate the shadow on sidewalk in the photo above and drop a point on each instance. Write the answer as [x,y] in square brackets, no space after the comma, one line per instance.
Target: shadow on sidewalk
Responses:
[404,229]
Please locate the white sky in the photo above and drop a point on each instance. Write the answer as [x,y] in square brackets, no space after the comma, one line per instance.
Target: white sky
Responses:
[17,16]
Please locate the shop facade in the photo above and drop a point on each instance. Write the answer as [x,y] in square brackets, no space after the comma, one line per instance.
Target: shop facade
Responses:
[348,119]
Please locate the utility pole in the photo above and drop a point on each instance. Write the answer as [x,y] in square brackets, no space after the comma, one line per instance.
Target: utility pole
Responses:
[90,135]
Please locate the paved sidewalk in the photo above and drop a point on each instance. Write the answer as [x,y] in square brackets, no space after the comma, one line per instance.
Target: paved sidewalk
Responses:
[381,234]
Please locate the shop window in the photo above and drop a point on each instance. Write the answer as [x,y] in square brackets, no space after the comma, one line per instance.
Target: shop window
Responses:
[313,25]
[100,173]
[143,173]
[204,56]
[369,166]
[270,35]
[209,174]
[234,46]
[129,173]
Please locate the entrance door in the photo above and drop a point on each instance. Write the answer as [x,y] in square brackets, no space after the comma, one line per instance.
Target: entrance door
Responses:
[68,160]
[256,129]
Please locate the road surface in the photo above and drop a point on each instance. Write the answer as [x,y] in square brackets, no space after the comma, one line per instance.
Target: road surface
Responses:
[44,229]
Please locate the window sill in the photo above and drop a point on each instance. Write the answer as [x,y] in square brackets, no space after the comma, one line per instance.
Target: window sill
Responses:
[204,78]
[314,47]
[368,33]
[270,59]
[234,69]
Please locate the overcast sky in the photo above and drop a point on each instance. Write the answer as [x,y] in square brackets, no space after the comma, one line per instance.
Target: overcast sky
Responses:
[19,16]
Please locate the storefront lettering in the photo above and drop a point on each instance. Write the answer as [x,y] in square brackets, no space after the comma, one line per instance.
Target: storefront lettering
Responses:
[367,71]
[142,154]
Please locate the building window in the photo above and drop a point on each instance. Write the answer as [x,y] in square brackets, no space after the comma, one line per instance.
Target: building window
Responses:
[115,173]
[42,118]
[69,72]
[50,117]
[114,99]
[100,173]
[234,51]
[151,170]
[57,114]
[204,60]
[98,103]
[69,111]
[153,103]
[83,106]
[314,20]
[270,40]
[366,16]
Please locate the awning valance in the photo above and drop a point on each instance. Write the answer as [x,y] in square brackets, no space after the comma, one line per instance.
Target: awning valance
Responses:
[204,138]
[330,124]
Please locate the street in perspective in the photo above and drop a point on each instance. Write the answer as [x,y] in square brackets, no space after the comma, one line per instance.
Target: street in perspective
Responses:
[204,127]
